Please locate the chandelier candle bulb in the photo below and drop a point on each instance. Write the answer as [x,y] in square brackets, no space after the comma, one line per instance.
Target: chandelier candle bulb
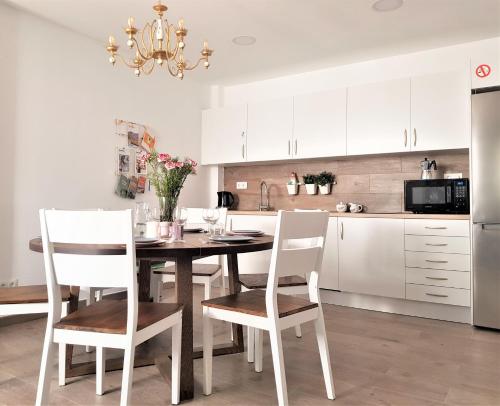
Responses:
[111,40]
[181,24]
[130,22]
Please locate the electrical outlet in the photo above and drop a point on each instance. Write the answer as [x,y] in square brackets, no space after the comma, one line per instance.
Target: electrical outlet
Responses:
[241,185]
[9,284]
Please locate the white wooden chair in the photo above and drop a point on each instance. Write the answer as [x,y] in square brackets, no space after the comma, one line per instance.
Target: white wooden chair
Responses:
[271,311]
[205,270]
[31,299]
[120,324]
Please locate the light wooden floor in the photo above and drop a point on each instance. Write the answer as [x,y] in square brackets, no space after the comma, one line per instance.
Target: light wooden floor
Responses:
[378,359]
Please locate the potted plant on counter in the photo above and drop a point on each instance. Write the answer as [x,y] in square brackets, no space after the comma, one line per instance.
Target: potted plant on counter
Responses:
[311,183]
[325,181]
[293,184]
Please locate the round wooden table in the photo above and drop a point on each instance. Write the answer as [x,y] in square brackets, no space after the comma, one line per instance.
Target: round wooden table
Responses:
[195,246]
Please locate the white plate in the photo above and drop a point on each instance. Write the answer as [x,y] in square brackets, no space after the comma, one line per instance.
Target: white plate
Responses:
[231,238]
[145,240]
[247,232]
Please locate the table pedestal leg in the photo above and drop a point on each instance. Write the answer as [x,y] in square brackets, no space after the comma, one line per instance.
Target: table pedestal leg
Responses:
[184,295]
[144,280]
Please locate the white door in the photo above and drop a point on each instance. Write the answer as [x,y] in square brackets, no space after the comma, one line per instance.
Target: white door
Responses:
[371,256]
[440,105]
[378,117]
[270,125]
[319,124]
[330,270]
[254,262]
[223,135]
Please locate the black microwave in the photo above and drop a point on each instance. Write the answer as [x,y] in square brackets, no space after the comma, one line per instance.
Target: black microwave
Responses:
[437,196]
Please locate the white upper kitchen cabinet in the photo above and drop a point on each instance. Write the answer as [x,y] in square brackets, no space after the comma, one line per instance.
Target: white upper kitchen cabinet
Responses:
[371,256]
[223,138]
[329,278]
[378,117]
[319,124]
[439,110]
[270,127]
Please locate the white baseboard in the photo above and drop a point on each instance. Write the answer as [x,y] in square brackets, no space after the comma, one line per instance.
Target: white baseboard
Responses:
[399,306]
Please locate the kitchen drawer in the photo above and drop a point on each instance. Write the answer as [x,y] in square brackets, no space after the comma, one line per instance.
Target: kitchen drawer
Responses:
[437,294]
[439,260]
[438,277]
[453,228]
[432,243]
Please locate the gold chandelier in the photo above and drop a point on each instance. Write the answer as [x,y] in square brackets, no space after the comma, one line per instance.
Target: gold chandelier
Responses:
[154,46]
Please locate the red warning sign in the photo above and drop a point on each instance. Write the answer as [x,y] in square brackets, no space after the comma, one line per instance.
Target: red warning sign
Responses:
[483,71]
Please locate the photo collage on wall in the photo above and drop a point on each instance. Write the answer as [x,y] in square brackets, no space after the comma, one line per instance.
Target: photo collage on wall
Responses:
[131,169]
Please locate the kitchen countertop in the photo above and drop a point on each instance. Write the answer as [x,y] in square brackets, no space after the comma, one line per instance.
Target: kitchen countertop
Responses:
[368,215]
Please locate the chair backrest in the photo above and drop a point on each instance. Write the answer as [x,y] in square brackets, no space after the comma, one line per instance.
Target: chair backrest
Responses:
[89,229]
[299,242]
[195,217]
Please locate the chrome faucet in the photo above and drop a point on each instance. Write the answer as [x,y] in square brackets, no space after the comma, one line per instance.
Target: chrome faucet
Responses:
[263,190]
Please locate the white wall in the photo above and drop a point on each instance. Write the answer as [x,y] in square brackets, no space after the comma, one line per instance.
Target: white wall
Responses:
[59,99]
[414,64]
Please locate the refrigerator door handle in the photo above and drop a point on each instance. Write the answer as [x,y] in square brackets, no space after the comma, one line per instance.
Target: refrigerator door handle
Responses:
[490,226]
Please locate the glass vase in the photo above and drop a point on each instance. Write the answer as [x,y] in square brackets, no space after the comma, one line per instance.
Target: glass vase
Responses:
[167,208]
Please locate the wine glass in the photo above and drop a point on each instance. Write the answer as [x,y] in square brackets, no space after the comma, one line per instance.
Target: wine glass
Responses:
[180,215]
[211,216]
[155,214]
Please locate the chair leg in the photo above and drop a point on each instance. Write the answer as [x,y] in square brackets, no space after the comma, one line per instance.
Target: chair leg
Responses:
[98,295]
[251,344]
[90,300]
[208,344]
[258,350]
[176,362]
[100,369]
[324,353]
[298,331]
[62,364]
[222,285]
[127,377]
[208,290]
[279,365]
[46,368]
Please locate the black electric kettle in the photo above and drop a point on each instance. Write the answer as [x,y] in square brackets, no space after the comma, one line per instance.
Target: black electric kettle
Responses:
[225,199]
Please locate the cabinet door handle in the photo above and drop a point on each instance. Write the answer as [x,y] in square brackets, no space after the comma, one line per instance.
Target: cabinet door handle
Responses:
[288,147]
[341,230]
[436,228]
[295,147]
[406,137]
[243,150]
[242,133]
[436,295]
[436,262]
[436,279]
[435,245]
[414,137]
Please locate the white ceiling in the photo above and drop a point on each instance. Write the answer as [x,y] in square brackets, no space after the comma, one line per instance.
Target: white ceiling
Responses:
[292,35]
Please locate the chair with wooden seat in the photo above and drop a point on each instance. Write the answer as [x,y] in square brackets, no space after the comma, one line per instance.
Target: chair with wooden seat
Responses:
[205,270]
[272,311]
[122,324]
[289,285]
[29,300]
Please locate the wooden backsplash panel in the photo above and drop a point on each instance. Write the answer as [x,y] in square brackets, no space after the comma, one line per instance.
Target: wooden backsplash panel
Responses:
[374,181]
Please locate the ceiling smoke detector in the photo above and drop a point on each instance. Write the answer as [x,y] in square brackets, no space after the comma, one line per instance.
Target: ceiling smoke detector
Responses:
[244,40]
[387,5]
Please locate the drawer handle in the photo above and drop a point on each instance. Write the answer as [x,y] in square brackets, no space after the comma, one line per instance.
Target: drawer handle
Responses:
[436,295]
[436,279]
[435,245]
[436,262]
[436,228]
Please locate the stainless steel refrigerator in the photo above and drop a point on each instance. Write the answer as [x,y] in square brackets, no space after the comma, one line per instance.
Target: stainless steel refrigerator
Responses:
[486,206]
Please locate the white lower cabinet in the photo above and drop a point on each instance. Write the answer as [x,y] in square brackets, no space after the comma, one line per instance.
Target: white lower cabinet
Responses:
[371,256]
[254,262]
[437,260]
[329,278]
